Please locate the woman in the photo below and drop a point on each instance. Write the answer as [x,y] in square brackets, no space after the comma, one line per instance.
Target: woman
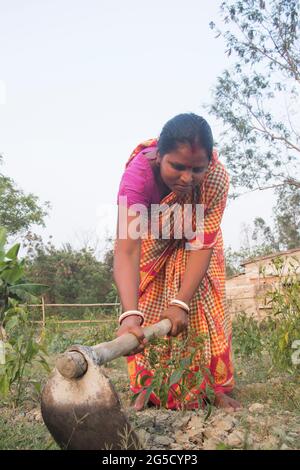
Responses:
[165,277]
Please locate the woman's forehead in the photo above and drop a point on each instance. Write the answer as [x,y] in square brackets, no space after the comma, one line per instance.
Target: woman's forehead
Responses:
[189,156]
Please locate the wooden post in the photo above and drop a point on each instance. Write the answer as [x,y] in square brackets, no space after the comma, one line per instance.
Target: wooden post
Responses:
[43,314]
[120,311]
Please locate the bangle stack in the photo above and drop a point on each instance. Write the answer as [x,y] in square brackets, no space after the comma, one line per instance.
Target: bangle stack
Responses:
[181,304]
[130,313]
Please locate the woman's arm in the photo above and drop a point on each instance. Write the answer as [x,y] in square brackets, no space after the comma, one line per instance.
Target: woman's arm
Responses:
[126,271]
[127,277]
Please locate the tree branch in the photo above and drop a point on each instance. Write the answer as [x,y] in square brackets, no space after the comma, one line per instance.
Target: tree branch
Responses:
[249,43]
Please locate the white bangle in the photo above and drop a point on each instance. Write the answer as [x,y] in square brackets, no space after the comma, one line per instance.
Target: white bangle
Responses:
[181,304]
[130,313]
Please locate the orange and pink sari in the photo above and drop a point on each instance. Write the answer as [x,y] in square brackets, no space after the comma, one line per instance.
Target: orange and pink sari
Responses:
[162,268]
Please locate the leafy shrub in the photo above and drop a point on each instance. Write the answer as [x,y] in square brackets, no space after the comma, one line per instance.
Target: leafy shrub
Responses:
[281,328]
[174,375]
[16,330]
[23,353]
[283,324]
[247,336]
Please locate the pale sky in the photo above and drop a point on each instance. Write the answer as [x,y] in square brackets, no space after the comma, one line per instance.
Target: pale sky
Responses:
[85,82]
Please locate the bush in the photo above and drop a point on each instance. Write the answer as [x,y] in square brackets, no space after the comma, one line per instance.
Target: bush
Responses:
[175,375]
[283,324]
[16,331]
[23,353]
[247,336]
[277,333]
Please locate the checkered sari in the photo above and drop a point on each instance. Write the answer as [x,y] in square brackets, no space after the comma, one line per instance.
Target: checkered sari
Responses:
[162,267]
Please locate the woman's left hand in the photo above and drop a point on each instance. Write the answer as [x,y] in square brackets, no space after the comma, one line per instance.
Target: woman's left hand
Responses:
[178,318]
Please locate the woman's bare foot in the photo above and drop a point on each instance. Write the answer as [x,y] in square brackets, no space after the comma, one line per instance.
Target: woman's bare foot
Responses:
[224,401]
[139,403]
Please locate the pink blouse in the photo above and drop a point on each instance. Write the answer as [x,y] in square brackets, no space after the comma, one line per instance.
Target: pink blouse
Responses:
[138,182]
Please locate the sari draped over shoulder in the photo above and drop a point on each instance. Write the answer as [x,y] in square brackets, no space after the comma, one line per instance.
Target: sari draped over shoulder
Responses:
[162,267]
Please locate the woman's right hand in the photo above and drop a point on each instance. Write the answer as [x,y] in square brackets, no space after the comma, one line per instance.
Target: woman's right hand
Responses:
[133,325]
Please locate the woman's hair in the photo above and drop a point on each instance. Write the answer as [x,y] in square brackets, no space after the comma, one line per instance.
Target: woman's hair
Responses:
[186,128]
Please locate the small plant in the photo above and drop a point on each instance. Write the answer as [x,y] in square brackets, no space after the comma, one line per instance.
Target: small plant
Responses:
[101,334]
[275,334]
[13,286]
[171,362]
[283,324]
[129,440]
[16,331]
[223,446]
[23,353]
[247,336]
[59,342]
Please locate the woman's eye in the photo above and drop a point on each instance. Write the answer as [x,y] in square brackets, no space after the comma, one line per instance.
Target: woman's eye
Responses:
[178,167]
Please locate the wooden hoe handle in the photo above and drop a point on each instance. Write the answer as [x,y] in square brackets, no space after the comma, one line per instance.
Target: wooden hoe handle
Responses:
[73,364]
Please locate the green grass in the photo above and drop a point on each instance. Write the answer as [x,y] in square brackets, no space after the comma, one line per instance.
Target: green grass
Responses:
[255,382]
[16,433]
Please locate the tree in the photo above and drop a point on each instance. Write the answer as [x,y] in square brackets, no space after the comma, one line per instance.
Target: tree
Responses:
[258,97]
[287,217]
[73,276]
[284,234]
[264,236]
[234,259]
[18,211]
[14,288]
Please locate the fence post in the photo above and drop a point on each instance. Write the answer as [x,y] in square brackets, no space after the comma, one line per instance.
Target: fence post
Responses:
[43,313]
[118,309]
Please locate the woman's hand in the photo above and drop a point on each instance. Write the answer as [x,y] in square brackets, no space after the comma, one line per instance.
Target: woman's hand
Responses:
[133,325]
[178,318]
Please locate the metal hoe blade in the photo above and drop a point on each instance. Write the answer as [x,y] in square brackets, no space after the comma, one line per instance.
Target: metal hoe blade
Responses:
[85,413]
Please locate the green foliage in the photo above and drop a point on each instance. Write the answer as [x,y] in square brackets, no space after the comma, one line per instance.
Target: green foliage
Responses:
[173,374]
[257,97]
[22,353]
[58,340]
[285,233]
[264,236]
[73,276]
[15,328]
[275,334]
[18,211]
[235,259]
[263,239]
[13,285]
[287,217]
[247,336]
[283,324]
[16,434]
[101,334]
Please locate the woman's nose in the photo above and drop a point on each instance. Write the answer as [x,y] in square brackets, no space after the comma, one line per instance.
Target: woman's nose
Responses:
[187,177]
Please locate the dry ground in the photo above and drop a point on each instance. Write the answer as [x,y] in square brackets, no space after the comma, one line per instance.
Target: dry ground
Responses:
[270,418]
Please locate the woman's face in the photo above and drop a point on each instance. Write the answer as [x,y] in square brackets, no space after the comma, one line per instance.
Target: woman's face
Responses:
[184,168]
